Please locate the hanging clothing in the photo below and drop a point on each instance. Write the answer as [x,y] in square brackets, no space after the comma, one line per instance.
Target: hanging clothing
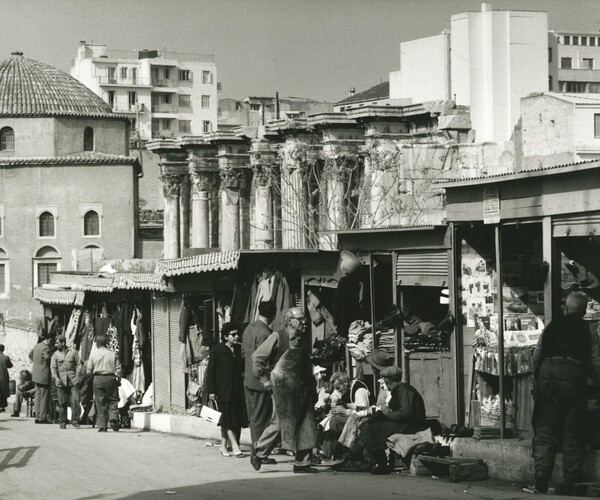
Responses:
[239,302]
[101,326]
[122,321]
[346,305]
[87,337]
[71,331]
[137,377]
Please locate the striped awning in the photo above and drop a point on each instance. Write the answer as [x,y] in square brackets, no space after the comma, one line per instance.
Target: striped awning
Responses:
[59,297]
[215,261]
[123,281]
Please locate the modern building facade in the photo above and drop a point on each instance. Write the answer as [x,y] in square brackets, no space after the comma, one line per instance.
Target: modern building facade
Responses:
[67,184]
[166,94]
[574,62]
[488,61]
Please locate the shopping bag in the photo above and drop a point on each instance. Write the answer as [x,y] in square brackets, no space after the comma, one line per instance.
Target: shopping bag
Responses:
[210,414]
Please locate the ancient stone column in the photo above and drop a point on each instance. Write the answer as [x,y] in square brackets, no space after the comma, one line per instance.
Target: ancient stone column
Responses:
[184,213]
[294,195]
[385,209]
[263,164]
[201,187]
[230,208]
[171,192]
[335,208]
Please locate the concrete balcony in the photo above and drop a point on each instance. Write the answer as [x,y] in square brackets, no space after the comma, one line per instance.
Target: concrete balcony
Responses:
[123,108]
[165,108]
[124,82]
[165,82]
[579,75]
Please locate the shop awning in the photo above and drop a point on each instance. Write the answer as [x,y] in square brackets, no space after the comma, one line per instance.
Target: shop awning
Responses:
[577,225]
[123,281]
[59,297]
[215,261]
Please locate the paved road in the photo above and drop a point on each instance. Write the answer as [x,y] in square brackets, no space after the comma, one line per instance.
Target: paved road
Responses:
[43,462]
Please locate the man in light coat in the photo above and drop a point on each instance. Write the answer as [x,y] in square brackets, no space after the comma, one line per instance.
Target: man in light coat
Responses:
[65,365]
[40,355]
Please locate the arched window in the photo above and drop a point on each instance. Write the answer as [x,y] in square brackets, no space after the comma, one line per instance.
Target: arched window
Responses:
[91,223]
[7,139]
[47,261]
[46,226]
[88,139]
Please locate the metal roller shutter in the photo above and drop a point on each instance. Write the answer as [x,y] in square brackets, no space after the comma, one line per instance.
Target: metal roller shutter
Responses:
[160,351]
[584,225]
[177,377]
[427,268]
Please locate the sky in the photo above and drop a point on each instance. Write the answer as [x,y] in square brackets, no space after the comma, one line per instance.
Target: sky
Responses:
[301,48]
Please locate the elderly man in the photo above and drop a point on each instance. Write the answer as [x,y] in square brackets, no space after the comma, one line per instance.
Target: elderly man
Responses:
[567,355]
[294,392]
[65,366]
[106,369]
[404,413]
[40,372]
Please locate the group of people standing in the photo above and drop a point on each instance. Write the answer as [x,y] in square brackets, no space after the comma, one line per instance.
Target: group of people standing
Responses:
[55,364]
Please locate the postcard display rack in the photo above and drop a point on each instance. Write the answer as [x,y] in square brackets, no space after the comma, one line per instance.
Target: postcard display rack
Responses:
[522,317]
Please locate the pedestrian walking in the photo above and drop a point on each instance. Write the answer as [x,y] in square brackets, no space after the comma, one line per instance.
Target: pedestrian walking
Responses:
[226,388]
[65,366]
[5,364]
[294,393]
[106,369]
[567,354]
[40,374]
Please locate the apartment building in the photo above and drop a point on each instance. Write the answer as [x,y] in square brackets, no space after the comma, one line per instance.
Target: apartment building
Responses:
[574,62]
[166,94]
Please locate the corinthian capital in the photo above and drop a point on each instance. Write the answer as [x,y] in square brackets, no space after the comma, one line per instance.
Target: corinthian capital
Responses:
[340,167]
[294,156]
[201,181]
[171,185]
[231,177]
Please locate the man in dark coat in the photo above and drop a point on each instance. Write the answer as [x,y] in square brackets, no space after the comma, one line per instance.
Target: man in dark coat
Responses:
[403,414]
[40,374]
[567,355]
[5,364]
[258,400]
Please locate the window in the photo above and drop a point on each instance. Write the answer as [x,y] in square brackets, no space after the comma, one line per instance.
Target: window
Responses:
[185,126]
[185,101]
[550,83]
[155,128]
[575,40]
[167,73]
[46,225]
[124,72]
[206,101]
[111,98]
[206,127]
[46,262]
[88,139]
[573,87]
[3,279]
[584,40]
[185,75]
[44,270]
[597,126]
[594,88]
[132,99]
[567,40]
[165,98]
[549,54]
[254,107]
[7,139]
[587,63]
[154,74]
[91,224]
[166,124]
[207,77]
[133,75]
[593,41]
[566,62]
[111,74]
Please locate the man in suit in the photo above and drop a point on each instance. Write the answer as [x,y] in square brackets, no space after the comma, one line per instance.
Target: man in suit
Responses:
[5,364]
[65,366]
[41,378]
[258,400]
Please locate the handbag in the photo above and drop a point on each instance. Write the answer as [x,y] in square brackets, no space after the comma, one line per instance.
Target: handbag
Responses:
[211,415]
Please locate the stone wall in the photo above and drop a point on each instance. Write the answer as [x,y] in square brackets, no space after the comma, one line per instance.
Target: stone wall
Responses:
[18,344]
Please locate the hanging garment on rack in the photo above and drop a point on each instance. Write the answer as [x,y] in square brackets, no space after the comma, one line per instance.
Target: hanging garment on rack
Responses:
[87,337]
[281,296]
[137,377]
[112,337]
[101,326]
[122,321]
[71,331]
[239,302]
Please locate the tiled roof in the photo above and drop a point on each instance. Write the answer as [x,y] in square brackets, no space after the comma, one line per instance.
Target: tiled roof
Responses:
[59,297]
[215,261]
[82,158]
[379,91]
[32,88]
[123,281]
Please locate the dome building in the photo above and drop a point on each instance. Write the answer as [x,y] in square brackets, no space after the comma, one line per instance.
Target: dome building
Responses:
[67,183]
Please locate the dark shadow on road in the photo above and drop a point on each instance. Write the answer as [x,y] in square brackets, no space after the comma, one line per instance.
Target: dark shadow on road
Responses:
[16,457]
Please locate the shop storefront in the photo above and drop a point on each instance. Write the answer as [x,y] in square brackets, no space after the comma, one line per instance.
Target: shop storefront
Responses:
[408,273]
[521,243]
[209,289]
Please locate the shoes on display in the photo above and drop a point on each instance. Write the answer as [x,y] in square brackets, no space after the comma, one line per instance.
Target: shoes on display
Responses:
[298,469]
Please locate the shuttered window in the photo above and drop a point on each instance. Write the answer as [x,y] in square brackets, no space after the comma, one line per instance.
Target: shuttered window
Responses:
[160,350]
[177,377]
[427,268]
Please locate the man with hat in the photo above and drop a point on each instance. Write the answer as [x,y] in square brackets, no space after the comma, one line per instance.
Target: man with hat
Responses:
[65,366]
[404,413]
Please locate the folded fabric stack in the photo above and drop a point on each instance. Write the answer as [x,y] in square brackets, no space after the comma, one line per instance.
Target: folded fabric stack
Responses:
[360,339]
[385,340]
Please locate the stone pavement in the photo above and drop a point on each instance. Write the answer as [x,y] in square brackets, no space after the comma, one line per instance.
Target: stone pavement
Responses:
[42,461]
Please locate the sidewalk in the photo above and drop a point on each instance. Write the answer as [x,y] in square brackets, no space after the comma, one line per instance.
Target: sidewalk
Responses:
[507,459]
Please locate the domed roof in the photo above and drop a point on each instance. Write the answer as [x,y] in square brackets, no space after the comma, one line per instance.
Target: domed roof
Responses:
[32,88]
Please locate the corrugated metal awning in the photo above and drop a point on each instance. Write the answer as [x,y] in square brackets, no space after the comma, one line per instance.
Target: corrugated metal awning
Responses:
[123,281]
[426,268]
[59,297]
[215,261]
